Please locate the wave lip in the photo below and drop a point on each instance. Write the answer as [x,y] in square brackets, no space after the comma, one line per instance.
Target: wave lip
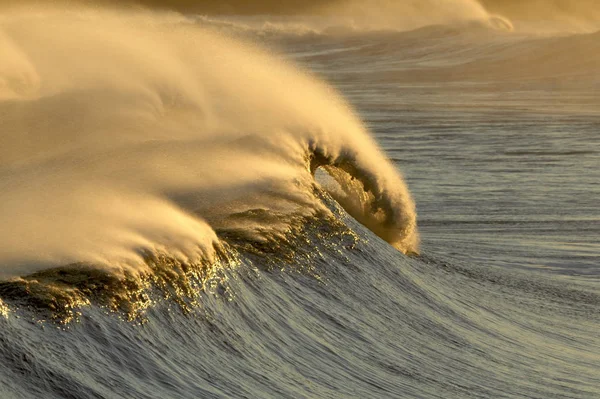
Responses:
[373,193]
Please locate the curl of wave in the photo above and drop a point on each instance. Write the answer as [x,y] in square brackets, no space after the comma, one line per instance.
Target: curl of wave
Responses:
[380,201]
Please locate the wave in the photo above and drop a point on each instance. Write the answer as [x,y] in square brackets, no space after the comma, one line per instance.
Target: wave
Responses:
[269,26]
[352,18]
[134,133]
[478,47]
[465,53]
[181,200]
[563,61]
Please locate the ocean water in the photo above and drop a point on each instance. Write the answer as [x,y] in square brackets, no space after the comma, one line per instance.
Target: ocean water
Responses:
[278,207]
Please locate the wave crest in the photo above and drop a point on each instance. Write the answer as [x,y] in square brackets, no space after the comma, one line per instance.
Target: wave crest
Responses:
[145,132]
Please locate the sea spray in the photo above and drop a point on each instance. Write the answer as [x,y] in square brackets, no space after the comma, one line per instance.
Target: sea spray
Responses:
[146,129]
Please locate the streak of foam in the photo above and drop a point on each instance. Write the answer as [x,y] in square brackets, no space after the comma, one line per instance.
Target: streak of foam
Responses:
[130,133]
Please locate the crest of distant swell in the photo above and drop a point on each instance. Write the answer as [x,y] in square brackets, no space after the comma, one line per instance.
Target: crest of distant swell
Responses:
[128,133]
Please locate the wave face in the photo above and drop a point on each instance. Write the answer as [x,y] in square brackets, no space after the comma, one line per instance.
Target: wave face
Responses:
[186,214]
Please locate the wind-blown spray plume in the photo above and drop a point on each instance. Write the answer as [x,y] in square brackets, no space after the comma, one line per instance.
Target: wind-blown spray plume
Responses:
[412,14]
[123,134]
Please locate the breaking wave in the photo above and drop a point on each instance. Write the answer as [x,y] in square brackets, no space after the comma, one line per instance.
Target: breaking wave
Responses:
[128,134]
[186,215]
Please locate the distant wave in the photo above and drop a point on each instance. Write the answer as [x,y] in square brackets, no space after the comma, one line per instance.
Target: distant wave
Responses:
[310,26]
[349,18]
[470,52]
[561,60]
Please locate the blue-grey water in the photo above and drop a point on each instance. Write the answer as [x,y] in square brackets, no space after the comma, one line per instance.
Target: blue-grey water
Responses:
[496,135]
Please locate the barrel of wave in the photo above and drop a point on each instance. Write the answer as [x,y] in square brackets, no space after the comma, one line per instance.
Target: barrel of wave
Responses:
[371,189]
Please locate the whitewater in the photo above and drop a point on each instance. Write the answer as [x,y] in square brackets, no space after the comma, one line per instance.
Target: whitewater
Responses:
[202,206]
